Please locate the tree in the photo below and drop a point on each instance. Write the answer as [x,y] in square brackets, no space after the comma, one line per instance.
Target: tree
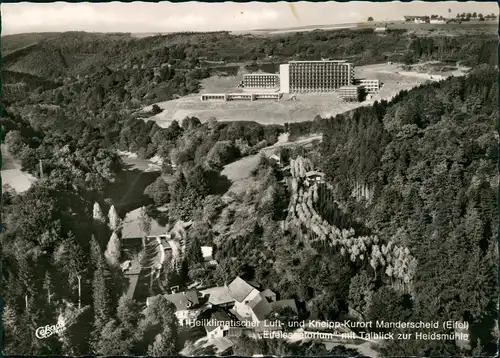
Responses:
[98,215]
[95,251]
[360,290]
[25,274]
[155,109]
[71,258]
[164,344]
[33,211]
[14,141]
[101,299]
[113,250]
[222,153]
[75,338]
[194,255]
[114,219]
[370,19]
[113,340]
[158,191]
[145,221]
[478,350]
[48,286]
[127,311]
[159,319]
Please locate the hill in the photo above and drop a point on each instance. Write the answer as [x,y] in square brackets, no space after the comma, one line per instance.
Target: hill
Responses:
[74,53]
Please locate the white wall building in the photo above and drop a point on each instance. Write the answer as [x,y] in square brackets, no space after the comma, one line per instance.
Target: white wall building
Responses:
[285,78]
[371,86]
[315,76]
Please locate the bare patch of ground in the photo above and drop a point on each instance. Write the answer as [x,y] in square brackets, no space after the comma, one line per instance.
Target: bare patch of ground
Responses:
[12,174]
[473,26]
[304,108]
[239,172]
[145,165]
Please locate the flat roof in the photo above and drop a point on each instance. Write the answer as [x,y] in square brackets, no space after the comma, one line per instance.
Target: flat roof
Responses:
[260,74]
[243,94]
[350,87]
[321,61]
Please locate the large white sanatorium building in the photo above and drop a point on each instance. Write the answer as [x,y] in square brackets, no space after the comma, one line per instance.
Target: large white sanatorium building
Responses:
[315,76]
[321,76]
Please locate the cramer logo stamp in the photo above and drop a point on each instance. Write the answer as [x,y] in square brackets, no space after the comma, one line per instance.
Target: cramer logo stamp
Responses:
[47,331]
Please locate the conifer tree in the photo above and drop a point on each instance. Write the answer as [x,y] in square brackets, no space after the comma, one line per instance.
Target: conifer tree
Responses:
[48,286]
[194,254]
[144,221]
[98,215]
[101,300]
[112,253]
[76,263]
[114,220]
[95,252]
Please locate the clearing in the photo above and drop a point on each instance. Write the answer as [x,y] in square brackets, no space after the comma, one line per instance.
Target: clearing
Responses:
[12,174]
[239,172]
[306,106]
[145,165]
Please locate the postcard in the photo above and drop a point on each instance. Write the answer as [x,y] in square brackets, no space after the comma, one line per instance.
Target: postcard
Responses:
[250,179]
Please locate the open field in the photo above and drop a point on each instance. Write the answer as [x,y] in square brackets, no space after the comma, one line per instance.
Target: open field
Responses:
[304,108]
[145,165]
[464,27]
[239,172]
[12,174]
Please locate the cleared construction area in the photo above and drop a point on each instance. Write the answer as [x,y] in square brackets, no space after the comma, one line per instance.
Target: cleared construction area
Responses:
[302,107]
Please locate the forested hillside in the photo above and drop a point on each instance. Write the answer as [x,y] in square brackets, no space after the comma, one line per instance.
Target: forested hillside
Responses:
[430,160]
[75,53]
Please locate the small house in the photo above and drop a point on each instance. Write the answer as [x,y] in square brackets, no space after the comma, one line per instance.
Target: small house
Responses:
[218,296]
[260,308]
[276,158]
[207,252]
[188,306]
[222,345]
[313,176]
[218,324]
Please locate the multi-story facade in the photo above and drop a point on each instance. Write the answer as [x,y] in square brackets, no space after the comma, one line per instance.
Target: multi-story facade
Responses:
[261,80]
[350,93]
[315,76]
[224,97]
[371,86]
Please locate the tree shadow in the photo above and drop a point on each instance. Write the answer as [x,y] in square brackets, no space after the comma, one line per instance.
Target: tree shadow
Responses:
[219,184]
[127,193]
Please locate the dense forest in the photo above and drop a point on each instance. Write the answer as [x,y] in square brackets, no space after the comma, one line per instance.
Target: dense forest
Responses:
[74,53]
[418,172]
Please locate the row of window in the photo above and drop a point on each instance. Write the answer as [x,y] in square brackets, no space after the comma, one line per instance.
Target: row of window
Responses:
[339,73]
[330,65]
[299,83]
[307,78]
[245,82]
[312,88]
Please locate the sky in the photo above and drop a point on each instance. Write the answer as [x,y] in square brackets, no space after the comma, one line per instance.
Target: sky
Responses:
[137,17]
